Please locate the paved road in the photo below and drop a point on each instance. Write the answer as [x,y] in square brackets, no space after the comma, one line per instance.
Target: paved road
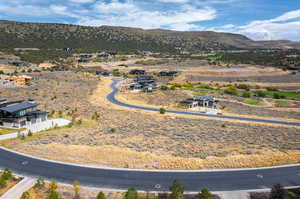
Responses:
[112,98]
[147,180]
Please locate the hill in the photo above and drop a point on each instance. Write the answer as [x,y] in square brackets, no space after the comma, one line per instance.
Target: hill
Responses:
[48,36]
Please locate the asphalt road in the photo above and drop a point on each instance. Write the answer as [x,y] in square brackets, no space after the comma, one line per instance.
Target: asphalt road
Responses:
[226,180]
[149,180]
[112,98]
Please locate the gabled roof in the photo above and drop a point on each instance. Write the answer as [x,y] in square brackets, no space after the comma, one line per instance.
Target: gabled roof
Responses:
[18,106]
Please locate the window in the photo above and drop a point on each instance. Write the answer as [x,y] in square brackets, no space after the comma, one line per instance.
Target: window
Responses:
[22,113]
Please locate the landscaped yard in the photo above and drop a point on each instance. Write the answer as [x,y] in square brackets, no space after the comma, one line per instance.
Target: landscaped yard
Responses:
[286,94]
[281,102]
[252,101]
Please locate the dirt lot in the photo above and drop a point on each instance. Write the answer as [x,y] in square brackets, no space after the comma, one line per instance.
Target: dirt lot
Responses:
[136,139]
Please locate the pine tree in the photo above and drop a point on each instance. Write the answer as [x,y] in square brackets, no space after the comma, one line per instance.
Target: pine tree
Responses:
[177,190]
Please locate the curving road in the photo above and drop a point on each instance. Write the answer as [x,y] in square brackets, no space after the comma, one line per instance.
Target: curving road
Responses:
[112,98]
[215,180]
[147,180]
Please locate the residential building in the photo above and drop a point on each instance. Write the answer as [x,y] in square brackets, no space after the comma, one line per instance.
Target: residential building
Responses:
[137,72]
[206,104]
[20,113]
[168,73]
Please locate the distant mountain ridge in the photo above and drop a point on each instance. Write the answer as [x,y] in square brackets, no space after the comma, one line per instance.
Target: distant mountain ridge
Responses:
[50,35]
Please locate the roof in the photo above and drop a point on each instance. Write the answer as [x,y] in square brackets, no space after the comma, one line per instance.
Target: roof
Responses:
[18,106]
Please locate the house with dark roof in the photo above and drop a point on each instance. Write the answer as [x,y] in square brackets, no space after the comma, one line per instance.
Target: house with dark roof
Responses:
[207,104]
[145,83]
[137,72]
[168,73]
[20,113]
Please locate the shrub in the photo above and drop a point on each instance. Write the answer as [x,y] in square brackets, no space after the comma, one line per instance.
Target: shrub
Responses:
[131,194]
[278,192]
[113,130]
[53,195]
[101,195]
[272,89]
[231,91]
[244,87]
[40,183]
[76,188]
[164,88]
[79,122]
[7,174]
[205,194]
[53,186]
[278,96]
[29,133]
[177,190]
[260,93]
[25,195]
[2,182]
[162,111]
[246,95]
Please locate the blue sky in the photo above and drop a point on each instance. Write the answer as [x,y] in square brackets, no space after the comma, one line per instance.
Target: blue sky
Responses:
[257,19]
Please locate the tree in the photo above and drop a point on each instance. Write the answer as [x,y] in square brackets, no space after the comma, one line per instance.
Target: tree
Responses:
[53,186]
[29,133]
[53,195]
[204,194]
[101,195]
[25,195]
[177,190]
[40,183]
[2,182]
[76,189]
[278,192]
[162,111]
[7,174]
[131,194]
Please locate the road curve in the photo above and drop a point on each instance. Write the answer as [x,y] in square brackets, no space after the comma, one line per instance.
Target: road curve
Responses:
[147,180]
[112,98]
[215,180]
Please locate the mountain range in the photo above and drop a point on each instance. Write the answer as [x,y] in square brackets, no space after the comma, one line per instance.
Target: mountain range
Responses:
[50,36]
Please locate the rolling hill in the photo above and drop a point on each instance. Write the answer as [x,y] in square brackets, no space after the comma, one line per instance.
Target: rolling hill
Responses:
[49,36]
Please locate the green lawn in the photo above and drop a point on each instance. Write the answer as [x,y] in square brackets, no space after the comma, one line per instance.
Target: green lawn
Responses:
[252,101]
[203,89]
[287,94]
[7,131]
[282,102]
[199,94]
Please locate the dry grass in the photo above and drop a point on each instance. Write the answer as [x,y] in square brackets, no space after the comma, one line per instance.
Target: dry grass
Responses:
[9,184]
[147,139]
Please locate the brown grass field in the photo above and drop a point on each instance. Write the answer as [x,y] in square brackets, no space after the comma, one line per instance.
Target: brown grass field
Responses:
[138,139]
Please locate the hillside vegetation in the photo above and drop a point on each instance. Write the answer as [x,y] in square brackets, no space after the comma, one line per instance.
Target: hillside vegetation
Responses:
[45,36]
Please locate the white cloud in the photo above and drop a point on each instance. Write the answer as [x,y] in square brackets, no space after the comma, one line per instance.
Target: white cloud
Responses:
[129,14]
[174,1]
[282,27]
[81,1]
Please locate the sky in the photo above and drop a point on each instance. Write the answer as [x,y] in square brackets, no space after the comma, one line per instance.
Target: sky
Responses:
[257,19]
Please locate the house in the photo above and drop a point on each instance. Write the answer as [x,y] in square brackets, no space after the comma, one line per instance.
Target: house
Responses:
[206,104]
[23,80]
[19,63]
[20,114]
[168,73]
[137,72]
[145,83]
[103,72]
